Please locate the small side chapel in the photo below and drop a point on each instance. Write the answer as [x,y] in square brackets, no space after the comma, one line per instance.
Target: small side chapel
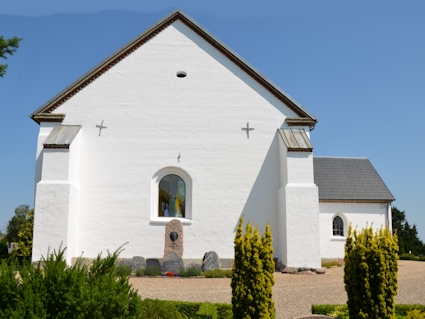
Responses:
[175,125]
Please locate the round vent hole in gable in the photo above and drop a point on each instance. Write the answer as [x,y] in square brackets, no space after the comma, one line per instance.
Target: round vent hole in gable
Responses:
[181,74]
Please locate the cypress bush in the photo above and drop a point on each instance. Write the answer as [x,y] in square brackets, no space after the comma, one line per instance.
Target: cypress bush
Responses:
[371,273]
[252,274]
[58,291]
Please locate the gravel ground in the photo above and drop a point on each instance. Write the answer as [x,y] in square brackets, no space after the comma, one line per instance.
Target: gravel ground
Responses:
[293,294]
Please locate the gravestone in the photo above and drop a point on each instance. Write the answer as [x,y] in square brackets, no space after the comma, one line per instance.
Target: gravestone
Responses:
[280,266]
[138,262]
[173,239]
[152,262]
[210,261]
[173,263]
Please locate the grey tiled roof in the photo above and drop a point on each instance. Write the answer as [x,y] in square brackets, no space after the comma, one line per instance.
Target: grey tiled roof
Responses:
[356,179]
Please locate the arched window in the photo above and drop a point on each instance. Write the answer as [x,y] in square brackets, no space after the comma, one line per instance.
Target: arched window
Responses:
[172,196]
[338,226]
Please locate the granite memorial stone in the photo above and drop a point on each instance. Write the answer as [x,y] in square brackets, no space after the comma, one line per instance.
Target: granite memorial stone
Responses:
[210,261]
[173,263]
[173,239]
[138,262]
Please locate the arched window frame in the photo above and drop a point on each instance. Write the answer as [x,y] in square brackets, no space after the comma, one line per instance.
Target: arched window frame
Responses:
[344,227]
[156,179]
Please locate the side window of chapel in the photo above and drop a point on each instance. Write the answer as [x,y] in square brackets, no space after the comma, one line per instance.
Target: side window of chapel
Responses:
[171,196]
[337,226]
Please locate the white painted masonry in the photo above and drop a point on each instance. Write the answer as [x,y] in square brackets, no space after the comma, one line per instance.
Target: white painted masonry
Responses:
[359,215]
[102,191]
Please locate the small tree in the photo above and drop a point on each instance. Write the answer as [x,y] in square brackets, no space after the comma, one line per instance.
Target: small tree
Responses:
[7,47]
[371,273]
[25,236]
[252,277]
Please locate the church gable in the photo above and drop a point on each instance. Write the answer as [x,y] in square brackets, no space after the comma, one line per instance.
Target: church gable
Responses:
[53,112]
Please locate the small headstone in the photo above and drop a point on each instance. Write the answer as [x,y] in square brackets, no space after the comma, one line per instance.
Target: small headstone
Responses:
[210,261]
[173,239]
[280,266]
[138,262]
[290,270]
[152,262]
[320,271]
[173,263]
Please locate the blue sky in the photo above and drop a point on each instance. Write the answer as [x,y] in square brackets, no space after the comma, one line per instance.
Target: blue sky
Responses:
[359,67]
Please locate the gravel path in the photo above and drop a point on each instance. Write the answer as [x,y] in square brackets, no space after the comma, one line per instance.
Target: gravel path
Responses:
[293,294]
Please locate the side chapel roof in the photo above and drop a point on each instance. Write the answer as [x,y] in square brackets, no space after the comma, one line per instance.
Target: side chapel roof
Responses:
[349,179]
[44,113]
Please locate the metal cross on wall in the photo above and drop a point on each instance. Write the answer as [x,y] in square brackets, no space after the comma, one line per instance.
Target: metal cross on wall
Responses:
[247,129]
[101,127]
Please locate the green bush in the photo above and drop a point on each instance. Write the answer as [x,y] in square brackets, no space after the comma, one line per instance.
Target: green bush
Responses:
[329,264]
[403,309]
[159,309]
[59,291]
[153,271]
[123,270]
[252,276]
[140,272]
[341,311]
[371,273]
[218,273]
[406,257]
[191,271]
[188,309]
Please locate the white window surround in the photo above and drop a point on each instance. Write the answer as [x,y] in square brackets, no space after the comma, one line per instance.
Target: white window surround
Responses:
[157,177]
[345,221]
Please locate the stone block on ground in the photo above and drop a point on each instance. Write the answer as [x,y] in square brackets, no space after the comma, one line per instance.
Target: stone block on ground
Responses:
[152,262]
[320,271]
[138,262]
[173,263]
[176,246]
[210,261]
[290,270]
[280,266]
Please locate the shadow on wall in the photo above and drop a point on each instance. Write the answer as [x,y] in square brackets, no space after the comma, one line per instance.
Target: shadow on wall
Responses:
[262,203]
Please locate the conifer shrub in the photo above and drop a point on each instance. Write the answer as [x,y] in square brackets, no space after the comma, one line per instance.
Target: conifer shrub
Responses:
[415,314]
[371,273]
[252,274]
[59,291]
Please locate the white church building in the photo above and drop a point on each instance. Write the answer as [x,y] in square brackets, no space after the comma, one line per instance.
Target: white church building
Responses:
[175,125]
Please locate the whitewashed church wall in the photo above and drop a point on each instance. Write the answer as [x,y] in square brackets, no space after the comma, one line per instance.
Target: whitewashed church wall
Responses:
[44,131]
[298,210]
[283,171]
[303,226]
[55,165]
[358,214]
[300,168]
[152,117]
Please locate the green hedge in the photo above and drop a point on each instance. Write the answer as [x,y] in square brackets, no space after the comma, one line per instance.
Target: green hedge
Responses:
[165,309]
[327,310]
